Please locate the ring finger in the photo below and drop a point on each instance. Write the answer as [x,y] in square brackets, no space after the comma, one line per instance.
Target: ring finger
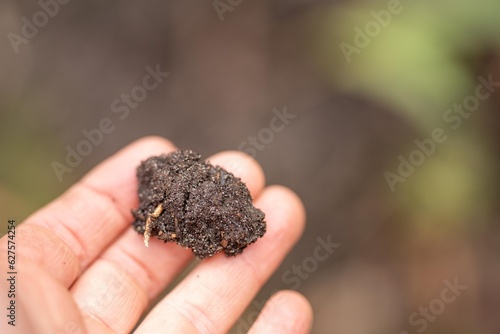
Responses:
[212,297]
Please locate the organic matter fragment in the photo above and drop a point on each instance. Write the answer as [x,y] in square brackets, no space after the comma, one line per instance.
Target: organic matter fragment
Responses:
[198,205]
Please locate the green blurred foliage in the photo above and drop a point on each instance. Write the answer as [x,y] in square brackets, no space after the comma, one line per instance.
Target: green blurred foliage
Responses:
[415,62]
[418,65]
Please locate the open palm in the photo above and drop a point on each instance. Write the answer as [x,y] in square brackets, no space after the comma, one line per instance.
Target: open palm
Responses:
[82,269]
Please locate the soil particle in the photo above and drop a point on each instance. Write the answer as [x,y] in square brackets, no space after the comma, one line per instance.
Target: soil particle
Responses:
[198,205]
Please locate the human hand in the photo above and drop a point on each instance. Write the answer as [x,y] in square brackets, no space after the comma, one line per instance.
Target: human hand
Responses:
[83,269]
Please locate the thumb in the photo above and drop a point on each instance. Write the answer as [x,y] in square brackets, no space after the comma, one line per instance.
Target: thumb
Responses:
[38,302]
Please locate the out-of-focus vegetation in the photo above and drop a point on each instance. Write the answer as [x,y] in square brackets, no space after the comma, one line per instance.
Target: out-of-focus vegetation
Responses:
[420,62]
[425,60]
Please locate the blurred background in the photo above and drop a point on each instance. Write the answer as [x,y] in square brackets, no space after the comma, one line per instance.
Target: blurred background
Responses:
[365,84]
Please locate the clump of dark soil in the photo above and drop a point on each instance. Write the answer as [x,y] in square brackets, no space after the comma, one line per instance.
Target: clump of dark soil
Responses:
[195,204]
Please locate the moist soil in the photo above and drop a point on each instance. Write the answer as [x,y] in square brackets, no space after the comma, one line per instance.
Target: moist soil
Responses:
[195,204]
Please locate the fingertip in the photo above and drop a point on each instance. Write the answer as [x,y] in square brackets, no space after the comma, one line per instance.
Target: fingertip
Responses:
[286,311]
[295,302]
[132,154]
[292,198]
[153,143]
[243,166]
[283,206]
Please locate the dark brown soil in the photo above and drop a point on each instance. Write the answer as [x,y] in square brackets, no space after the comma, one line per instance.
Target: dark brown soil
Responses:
[195,204]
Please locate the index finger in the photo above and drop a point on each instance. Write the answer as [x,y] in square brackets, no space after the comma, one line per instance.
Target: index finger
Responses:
[65,236]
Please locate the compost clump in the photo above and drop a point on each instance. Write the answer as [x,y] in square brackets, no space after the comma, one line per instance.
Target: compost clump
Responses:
[203,207]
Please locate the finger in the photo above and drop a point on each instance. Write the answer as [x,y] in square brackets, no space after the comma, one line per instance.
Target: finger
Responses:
[216,292]
[286,312]
[243,166]
[140,273]
[66,236]
[43,305]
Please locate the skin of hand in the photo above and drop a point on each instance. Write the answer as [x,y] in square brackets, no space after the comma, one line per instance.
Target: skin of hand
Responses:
[83,269]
